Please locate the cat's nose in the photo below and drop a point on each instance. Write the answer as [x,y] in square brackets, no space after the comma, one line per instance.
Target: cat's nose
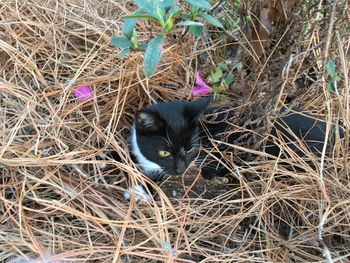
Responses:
[180,167]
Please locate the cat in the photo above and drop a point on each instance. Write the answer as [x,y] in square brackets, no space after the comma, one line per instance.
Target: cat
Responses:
[167,137]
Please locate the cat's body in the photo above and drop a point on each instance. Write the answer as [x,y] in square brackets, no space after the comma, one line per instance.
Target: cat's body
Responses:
[167,137]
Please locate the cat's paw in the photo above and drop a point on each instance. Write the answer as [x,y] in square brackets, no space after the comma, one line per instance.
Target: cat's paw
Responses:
[138,192]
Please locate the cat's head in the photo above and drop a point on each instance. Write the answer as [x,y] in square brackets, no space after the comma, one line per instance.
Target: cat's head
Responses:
[165,136]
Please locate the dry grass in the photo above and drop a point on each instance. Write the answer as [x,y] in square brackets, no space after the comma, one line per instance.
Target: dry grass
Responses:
[57,204]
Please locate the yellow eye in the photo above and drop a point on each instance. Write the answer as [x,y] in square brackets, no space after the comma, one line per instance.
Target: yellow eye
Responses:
[189,151]
[164,154]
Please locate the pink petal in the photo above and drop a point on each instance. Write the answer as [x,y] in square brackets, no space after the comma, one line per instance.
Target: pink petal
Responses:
[198,91]
[199,81]
[83,92]
[200,87]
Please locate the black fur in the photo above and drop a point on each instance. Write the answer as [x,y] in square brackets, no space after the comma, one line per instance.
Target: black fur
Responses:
[171,127]
[175,127]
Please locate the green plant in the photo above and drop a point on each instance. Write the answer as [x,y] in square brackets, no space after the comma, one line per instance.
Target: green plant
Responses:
[332,83]
[221,78]
[164,13]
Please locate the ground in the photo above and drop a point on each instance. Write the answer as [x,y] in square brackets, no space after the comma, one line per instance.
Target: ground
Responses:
[57,203]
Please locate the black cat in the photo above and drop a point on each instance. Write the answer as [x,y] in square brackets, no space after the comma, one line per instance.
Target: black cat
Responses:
[167,137]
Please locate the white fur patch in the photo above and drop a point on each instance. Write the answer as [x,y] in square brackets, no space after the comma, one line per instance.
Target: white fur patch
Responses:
[139,193]
[146,165]
[103,156]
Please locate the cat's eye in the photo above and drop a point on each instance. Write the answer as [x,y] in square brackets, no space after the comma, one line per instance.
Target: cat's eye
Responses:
[164,154]
[190,150]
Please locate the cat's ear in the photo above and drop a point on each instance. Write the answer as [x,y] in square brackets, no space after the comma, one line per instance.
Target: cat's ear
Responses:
[193,109]
[148,121]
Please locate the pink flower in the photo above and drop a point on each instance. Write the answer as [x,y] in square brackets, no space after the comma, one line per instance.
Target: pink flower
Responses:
[200,88]
[83,92]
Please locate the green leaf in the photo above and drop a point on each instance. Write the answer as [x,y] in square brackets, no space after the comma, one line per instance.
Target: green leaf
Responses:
[211,20]
[194,10]
[174,11]
[217,75]
[189,23]
[227,23]
[172,14]
[331,87]
[153,54]
[305,28]
[336,78]
[161,16]
[168,25]
[129,25]
[123,52]
[185,16]
[330,68]
[196,30]
[229,79]
[216,86]
[122,42]
[248,19]
[151,6]
[222,86]
[166,3]
[223,66]
[218,96]
[237,4]
[199,3]
[143,46]
[147,6]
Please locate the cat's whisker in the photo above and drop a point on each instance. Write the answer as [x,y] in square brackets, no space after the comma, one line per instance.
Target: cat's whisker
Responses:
[206,160]
[164,139]
[201,161]
[209,166]
[197,136]
[194,136]
[167,135]
[203,164]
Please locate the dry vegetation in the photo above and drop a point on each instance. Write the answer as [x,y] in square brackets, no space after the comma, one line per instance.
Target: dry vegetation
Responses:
[58,204]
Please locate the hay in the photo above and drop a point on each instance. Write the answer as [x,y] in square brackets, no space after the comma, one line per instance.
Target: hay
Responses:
[58,204]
